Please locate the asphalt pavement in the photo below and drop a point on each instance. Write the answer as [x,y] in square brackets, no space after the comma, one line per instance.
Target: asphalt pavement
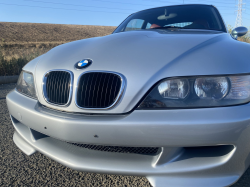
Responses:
[17,169]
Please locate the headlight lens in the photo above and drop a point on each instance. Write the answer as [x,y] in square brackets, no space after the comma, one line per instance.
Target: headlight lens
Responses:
[211,88]
[195,92]
[25,84]
[174,89]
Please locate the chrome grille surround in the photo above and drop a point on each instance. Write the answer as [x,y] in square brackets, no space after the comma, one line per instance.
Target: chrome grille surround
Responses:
[120,93]
[44,89]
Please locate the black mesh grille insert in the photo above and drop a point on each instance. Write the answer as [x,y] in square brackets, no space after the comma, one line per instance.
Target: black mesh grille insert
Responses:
[117,149]
[58,87]
[98,89]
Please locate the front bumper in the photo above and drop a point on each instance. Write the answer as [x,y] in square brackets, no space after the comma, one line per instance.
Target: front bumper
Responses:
[225,130]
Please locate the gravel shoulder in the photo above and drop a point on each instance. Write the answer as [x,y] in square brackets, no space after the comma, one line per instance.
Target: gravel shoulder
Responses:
[17,169]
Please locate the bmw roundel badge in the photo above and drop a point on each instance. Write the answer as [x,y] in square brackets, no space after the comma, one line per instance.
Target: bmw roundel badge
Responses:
[83,63]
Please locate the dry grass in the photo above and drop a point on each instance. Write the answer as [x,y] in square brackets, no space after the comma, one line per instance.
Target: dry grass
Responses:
[37,32]
[28,40]
[21,42]
[26,50]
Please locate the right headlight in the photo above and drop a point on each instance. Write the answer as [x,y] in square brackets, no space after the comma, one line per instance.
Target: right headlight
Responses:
[195,92]
[25,84]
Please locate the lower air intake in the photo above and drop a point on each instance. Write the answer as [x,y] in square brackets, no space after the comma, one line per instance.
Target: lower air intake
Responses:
[116,149]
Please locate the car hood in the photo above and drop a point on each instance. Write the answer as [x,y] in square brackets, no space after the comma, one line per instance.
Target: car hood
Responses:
[144,58]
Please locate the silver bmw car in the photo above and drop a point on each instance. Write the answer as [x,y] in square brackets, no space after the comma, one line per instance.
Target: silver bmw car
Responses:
[165,96]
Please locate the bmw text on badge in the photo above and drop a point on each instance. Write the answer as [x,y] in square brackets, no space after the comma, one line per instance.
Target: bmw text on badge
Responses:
[83,64]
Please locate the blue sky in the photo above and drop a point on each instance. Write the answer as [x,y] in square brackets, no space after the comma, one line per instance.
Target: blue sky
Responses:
[101,12]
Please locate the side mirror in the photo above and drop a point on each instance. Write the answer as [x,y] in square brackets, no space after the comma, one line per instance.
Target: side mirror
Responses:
[239,31]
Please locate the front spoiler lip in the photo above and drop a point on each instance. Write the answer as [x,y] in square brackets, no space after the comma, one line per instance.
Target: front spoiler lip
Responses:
[135,164]
[158,173]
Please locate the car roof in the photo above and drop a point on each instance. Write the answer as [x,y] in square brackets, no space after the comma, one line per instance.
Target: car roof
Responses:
[176,5]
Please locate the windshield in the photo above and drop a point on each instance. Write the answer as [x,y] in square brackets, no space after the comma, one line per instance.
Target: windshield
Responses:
[182,17]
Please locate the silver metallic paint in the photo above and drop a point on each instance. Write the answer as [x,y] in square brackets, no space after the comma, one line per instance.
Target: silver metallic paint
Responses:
[205,53]
[153,55]
[239,31]
[163,128]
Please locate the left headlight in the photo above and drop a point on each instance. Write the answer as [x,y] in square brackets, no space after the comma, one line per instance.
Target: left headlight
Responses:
[195,92]
[25,84]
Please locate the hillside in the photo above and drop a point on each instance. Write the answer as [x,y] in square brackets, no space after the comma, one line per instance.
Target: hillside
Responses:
[38,32]
[21,42]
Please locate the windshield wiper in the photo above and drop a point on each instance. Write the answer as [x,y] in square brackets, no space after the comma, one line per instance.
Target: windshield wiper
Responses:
[167,27]
[184,28]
